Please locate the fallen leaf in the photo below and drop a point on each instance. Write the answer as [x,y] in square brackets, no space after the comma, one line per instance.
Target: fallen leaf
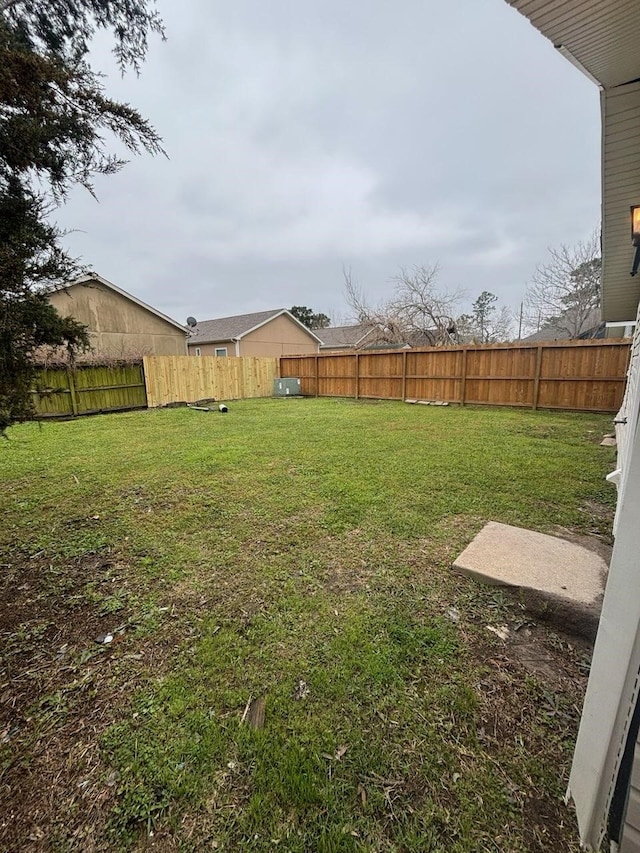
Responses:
[499,630]
[340,751]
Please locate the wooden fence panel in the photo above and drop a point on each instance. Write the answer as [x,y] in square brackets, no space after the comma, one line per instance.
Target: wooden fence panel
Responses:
[109,389]
[574,375]
[434,374]
[83,390]
[304,368]
[337,376]
[186,378]
[51,396]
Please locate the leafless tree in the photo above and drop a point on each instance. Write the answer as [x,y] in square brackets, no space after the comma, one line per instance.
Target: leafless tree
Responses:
[417,312]
[566,290]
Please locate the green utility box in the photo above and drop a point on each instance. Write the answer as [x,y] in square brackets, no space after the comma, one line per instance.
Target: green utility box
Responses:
[286,388]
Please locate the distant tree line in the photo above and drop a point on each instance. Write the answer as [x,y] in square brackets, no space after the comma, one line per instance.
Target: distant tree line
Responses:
[419,311]
[310,319]
[563,293]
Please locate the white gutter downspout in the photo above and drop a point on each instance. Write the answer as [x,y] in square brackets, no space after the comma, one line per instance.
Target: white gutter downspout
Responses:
[237,343]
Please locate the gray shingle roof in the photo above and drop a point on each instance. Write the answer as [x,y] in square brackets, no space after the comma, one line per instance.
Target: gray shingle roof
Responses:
[366,336]
[343,336]
[558,330]
[228,328]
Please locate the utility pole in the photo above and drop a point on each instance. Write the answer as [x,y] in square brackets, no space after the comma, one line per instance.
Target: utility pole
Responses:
[520,322]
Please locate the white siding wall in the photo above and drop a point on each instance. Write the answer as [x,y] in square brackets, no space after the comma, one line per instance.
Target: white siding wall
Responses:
[620,190]
[631,834]
[614,680]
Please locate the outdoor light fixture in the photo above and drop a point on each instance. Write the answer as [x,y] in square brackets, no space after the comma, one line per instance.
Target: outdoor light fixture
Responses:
[635,236]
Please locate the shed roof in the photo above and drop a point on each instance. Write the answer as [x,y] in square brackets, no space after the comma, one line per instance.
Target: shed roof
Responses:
[236,327]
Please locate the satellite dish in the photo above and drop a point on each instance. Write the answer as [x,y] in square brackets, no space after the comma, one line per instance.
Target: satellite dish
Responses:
[191,322]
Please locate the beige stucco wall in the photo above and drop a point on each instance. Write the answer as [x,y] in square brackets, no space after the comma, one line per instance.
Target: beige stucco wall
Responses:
[118,327]
[280,336]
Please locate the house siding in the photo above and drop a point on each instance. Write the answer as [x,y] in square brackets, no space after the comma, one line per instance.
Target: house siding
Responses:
[620,190]
[613,684]
[630,842]
[210,348]
[117,326]
[625,433]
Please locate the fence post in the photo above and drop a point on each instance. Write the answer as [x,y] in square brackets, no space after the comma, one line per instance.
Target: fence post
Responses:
[404,375]
[536,381]
[72,391]
[317,380]
[463,384]
[357,375]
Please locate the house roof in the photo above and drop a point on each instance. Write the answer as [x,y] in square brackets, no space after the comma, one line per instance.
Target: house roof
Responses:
[89,277]
[556,330]
[355,336]
[236,327]
[601,37]
[345,336]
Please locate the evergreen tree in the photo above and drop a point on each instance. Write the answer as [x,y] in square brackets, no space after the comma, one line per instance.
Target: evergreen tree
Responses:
[309,319]
[54,116]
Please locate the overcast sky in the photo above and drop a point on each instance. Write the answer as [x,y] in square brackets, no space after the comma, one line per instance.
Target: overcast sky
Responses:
[304,136]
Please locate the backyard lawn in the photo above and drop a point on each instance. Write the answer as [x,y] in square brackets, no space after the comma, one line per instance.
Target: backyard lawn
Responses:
[291,556]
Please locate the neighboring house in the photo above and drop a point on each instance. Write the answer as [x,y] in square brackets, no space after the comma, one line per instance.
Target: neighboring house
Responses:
[602,40]
[120,325]
[560,330]
[365,336]
[265,333]
[348,337]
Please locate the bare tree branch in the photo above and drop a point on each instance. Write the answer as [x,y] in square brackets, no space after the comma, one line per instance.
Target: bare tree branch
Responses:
[566,290]
[418,312]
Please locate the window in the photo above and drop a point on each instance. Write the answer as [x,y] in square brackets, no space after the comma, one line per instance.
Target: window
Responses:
[221,350]
[198,352]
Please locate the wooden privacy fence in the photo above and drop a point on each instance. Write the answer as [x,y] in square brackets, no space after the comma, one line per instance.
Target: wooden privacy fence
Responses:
[186,378]
[576,375]
[67,392]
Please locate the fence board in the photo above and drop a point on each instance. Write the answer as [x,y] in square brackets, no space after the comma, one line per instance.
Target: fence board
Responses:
[66,392]
[574,375]
[185,378]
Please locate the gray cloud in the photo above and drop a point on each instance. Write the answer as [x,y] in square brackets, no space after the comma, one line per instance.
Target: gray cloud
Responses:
[302,137]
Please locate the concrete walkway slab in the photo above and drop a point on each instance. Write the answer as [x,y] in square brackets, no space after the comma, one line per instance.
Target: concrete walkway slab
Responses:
[564,577]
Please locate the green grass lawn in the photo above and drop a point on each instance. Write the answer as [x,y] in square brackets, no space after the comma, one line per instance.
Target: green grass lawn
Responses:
[235,556]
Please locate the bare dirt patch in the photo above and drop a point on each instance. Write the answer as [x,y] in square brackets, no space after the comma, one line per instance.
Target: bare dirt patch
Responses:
[533,690]
[59,691]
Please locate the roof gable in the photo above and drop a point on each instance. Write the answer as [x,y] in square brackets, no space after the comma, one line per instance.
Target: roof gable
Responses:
[236,327]
[85,280]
